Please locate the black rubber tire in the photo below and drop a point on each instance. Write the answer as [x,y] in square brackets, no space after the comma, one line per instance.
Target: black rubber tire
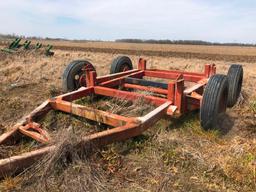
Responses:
[214,101]
[235,81]
[74,68]
[119,64]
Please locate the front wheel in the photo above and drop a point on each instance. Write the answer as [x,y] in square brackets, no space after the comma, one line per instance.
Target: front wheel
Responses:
[74,75]
[121,64]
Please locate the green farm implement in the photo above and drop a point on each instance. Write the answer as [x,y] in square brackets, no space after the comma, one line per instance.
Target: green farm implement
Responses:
[16,46]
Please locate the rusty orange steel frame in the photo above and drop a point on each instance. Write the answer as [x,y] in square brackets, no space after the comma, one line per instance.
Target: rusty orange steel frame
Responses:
[175,100]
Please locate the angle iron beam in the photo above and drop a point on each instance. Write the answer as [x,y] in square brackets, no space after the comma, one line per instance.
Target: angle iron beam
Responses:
[173,75]
[91,113]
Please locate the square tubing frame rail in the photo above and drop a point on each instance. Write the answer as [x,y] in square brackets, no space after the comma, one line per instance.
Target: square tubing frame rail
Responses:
[175,100]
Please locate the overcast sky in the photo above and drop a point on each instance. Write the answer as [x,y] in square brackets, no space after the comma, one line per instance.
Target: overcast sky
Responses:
[209,20]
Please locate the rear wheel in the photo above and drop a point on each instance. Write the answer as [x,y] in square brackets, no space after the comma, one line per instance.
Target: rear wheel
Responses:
[235,81]
[214,101]
[121,64]
[74,75]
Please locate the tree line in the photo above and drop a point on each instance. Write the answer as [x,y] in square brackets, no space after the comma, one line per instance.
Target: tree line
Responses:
[181,42]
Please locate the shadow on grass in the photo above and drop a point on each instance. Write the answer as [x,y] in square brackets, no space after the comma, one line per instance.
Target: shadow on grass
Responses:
[225,124]
[192,121]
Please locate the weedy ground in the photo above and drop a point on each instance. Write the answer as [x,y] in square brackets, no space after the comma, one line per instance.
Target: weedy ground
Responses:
[173,155]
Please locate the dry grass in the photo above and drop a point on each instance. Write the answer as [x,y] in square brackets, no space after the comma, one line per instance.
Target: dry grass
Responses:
[64,169]
[119,106]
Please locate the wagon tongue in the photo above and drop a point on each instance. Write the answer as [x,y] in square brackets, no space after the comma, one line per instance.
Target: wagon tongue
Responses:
[35,131]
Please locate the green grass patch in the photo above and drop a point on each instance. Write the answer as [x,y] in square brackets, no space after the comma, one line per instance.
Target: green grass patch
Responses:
[253,106]
[190,125]
[242,169]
